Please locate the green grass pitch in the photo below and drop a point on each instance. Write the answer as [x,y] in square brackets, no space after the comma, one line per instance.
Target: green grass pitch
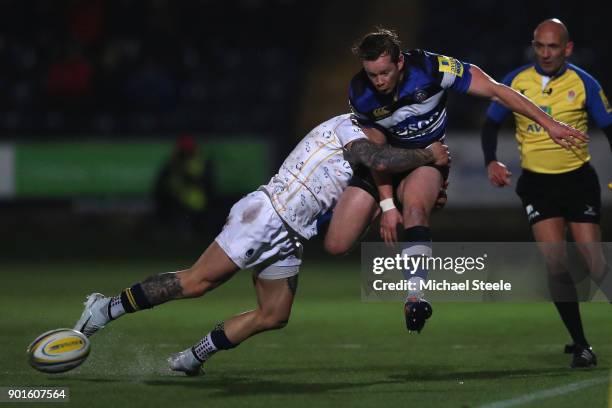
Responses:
[336,351]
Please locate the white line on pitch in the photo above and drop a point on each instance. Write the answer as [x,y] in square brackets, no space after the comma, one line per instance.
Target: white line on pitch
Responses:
[549,393]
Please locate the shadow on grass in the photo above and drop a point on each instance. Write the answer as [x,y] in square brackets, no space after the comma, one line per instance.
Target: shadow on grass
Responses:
[226,386]
[254,382]
[427,374]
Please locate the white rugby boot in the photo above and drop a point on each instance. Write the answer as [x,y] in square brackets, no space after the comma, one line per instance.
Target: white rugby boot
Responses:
[186,362]
[95,315]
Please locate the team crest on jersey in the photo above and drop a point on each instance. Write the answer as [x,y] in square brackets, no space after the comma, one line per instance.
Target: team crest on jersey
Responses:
[420,95]
[571,96]
[606,104]
[450,65]
[380,112]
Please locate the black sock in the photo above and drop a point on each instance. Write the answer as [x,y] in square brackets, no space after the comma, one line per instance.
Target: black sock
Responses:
[219,338]
[570,314]
[564,295]
[418,233]
[134,299]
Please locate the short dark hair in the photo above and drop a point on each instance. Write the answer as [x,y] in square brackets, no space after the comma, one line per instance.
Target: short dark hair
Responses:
[377,43]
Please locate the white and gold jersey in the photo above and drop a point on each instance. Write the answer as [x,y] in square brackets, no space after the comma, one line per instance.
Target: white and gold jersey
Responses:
[314,175]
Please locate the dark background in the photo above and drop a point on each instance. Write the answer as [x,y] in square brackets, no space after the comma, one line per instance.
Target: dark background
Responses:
[115,70]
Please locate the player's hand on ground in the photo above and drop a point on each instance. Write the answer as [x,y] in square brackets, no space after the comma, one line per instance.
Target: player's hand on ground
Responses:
[442,196]
[566,136]
[499,175]
[388,225]
[441,154]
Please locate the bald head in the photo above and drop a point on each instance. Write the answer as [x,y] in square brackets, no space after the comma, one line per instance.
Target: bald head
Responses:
[551,45]
[553,26]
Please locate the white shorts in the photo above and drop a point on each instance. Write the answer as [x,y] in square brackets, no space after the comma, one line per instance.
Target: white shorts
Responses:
[255,236]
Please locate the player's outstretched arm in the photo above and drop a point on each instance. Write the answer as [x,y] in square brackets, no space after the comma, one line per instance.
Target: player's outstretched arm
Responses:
[392,159]
[559,132]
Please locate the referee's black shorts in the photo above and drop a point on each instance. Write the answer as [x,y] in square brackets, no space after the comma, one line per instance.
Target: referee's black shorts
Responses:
[574,196]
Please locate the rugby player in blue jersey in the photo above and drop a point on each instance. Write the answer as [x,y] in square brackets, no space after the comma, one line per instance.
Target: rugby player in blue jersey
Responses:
[400,97]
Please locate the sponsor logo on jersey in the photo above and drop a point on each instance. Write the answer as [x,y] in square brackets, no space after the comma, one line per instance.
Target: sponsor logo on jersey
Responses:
[381,112]
[403,129]
[546,109]
[571,95]
[450,65]
[606,104]
[534,127]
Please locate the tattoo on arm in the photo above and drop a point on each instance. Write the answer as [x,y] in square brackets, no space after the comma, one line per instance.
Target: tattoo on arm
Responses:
[161,288]
[292,282]
[385,157]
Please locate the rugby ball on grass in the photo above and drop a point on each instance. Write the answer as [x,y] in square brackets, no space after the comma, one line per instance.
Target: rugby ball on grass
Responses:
[59,350]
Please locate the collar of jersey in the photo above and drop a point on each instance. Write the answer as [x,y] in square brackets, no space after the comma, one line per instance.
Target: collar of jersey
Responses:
[560,72]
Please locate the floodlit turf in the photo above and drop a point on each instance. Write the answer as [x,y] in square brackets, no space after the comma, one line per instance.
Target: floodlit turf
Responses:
[336,351]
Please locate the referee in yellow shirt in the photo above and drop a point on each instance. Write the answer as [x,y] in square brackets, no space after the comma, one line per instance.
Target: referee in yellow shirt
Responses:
[558,186]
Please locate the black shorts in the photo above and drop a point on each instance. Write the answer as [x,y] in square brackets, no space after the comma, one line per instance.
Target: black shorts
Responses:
[574,196]
[362,178]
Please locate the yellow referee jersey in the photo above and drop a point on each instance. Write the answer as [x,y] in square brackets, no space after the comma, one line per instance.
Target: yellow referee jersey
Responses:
[571,96]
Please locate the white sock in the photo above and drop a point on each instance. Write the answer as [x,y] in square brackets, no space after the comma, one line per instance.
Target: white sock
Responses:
[418,250]
[204,349]
[115,308]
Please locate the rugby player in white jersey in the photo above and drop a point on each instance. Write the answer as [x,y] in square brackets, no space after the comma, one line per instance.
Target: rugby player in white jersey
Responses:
[264,231]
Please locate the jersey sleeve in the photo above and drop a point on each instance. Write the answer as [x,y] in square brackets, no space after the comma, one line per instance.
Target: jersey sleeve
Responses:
[496,111]
[358,99]
[454,74]
[347,131]
[596,102]
[360,117]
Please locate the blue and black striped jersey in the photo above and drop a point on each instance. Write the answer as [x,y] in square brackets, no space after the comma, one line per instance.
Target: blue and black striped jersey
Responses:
[415,116]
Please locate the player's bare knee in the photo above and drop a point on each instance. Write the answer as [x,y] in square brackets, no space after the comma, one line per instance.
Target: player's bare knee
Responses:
[278,323]
[416,213]
[557,266]
[273,321]
[335,247]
